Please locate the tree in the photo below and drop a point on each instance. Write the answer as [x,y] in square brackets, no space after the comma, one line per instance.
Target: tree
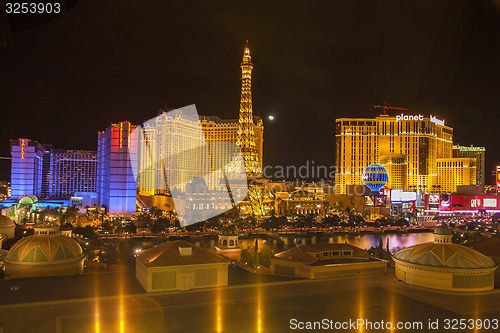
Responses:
[107,226]
[241,223]
[176,224]
[143,217]
[50,214]
[71,215]
[402,222]
[249,257]
[129,228]
[160,225]
[270,223]
[337,207]
[87,231]
[257,196]
[264,256]
[282,220]
[254,257]
[251,221]
[156,212]
[330,221]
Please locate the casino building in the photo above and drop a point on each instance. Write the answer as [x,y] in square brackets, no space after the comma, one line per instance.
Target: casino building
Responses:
[416,150]
[473,152]
[202,145]
[117,161]
[40,170]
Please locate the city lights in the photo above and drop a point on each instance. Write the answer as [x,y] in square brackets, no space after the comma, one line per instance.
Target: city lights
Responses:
[162,173]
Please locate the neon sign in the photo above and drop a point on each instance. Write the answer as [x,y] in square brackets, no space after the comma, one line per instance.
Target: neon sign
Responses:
[498,178]
[121,135]
[23,144]
[403,116]
[436,121]
[128,134]
[419,117]
[472,148]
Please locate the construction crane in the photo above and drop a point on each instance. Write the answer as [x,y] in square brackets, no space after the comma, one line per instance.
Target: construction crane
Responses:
[386,107]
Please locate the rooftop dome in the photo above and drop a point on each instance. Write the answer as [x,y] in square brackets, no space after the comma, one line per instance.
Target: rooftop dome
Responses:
[446,255]
[45,248]
[443,230]
[229,230]
[26,201]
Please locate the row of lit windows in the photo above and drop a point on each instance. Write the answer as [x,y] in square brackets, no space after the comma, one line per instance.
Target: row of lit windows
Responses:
[339,253]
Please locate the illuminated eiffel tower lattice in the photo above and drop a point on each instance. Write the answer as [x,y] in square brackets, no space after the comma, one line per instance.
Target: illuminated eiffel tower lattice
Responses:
[246,136]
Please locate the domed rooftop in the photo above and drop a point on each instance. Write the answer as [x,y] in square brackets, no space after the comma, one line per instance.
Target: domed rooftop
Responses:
[229,230]
[26,201]
[443,230]
[446,255]
[45,248]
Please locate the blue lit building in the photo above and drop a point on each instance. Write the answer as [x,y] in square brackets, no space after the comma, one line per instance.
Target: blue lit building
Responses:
[45,172]
[116,165]
[29,173]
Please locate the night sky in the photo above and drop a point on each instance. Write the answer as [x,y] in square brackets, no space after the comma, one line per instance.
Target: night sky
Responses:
[111,60]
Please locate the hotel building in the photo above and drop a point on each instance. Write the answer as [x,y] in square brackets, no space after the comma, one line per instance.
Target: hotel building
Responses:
[416,150]
[453,172]
[117,161]
[171,151]
[222,135]
[27,168]
[473,152]
[72,171]
[45,172]
[199,148]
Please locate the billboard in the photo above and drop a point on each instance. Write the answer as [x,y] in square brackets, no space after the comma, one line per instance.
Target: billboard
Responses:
[498,178]
[475,203]
[489,202]
[444,202]
[375,200]
[402,196]
[433,199]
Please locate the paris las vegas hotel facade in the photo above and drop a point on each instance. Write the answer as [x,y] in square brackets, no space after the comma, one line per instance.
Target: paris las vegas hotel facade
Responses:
[416,150]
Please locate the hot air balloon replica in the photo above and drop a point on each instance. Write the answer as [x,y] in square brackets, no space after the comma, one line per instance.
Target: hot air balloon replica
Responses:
[375,177]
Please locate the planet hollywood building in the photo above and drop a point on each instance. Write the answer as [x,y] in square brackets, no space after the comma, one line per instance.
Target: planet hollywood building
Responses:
[415,149]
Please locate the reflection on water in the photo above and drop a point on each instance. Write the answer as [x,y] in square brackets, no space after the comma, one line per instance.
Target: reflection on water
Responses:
[364,241]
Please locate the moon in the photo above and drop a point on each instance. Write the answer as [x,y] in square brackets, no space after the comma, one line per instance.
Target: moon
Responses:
[270,117]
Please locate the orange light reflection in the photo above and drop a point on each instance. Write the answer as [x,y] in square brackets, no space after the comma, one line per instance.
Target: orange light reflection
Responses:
[218,313]
[361,305]
[121,303]
[259,309]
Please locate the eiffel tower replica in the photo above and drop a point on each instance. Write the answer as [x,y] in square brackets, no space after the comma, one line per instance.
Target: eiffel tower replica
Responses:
[245,141]
[246,137]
